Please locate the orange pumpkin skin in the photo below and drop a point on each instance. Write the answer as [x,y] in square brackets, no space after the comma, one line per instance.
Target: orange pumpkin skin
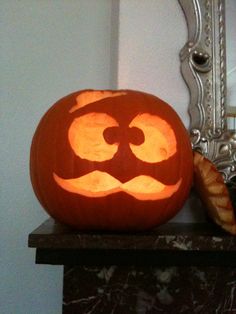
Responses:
[146,166]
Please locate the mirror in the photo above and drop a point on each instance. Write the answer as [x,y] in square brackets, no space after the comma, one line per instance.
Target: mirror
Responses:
[203,65]
[230,21]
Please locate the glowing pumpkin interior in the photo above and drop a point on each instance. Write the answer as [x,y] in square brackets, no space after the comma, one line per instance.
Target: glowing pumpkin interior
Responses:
[96,136]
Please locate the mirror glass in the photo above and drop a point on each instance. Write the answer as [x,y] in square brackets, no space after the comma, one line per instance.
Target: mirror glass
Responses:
[230,14]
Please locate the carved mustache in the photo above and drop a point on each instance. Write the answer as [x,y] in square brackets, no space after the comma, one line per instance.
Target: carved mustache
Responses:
[99,184]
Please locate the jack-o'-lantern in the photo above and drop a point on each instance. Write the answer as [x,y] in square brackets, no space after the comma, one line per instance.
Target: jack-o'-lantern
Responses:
[115,160]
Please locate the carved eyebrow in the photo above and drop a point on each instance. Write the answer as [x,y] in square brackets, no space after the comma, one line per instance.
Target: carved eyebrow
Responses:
[90,96]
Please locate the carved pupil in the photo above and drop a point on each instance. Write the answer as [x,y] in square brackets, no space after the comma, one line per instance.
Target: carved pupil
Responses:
[115,134]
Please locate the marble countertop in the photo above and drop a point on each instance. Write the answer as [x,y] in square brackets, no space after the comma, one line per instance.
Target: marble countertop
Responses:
[171,236]
[172,243]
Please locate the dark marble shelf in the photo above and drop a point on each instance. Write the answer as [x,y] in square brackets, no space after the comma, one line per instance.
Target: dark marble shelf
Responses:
[111,272]
[170,244]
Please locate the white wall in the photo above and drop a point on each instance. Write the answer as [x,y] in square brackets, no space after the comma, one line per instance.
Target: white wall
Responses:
[150,38]
[48,49]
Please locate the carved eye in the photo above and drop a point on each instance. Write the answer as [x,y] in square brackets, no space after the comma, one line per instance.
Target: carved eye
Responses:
[160,140]
[86,137]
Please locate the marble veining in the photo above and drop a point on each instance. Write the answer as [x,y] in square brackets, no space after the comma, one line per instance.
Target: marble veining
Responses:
[149,290]
[172,236]
[174,275]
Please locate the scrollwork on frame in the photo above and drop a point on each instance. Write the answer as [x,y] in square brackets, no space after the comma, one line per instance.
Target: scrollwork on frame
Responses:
[203,65]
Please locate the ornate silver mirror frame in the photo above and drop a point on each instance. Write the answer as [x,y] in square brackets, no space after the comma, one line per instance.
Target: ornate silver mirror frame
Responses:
[203,65]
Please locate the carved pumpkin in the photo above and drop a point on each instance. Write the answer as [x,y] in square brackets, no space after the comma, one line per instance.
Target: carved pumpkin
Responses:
[117,160]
